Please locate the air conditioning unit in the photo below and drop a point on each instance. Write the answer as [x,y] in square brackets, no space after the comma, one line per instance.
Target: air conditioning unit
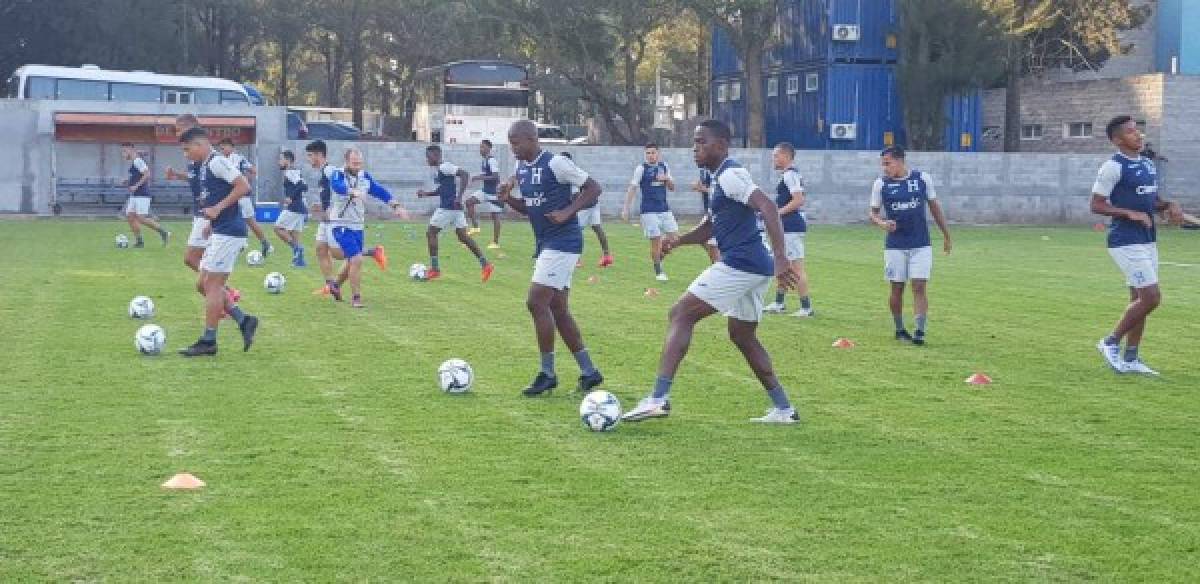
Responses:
[845,32]
[843,131]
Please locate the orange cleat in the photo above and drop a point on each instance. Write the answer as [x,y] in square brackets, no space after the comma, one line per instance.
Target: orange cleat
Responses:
[606,261]
[487,272]
[322,291]
[433,274]
[380,257]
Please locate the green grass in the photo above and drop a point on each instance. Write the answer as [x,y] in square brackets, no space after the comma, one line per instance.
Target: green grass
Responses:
[330,453]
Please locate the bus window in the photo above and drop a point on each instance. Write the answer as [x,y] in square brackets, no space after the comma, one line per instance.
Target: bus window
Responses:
[40,88]
[79,89]
[177,96]
[206,96]
[234,97]
[134,92]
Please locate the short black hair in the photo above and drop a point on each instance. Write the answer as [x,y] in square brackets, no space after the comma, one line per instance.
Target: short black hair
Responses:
[895,152]
[787,147]
[226,140]
[193,134]
[317,146]
[566,155]
[652,145]
[487,142]
[1114,125]
[288,155]
[433,148]
[720,130]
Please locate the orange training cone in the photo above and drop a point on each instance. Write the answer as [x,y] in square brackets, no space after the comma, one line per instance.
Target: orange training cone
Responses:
[843,343]
[979,379]
[183,481]
[651,292]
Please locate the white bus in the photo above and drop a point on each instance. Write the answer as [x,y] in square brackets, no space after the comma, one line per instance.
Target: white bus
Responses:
[467,102]
[90,82]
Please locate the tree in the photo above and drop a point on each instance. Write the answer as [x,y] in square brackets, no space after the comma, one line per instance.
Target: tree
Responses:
[1048,34]
[284,22]
[949,48]
[750,25]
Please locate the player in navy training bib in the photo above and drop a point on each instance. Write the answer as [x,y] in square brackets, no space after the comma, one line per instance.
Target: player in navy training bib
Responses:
[449,184]
[590,216]
[542,189]
[790,198]
[198,238]
[734,286]
[653,179]
[246,204]
[704,187]
[1127,190]
[137,208]
[899,202]
[485,200]
[290,224]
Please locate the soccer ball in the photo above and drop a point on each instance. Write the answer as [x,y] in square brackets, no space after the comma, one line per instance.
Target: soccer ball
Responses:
[150,339]
[455,376]
[417,272]
[141,307]
[600,411]
[274,283]
[254,258]
[122,241]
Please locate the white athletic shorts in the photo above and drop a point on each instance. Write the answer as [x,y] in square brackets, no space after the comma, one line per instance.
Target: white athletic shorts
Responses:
[138,206]
[794,242]
[325,235]
[448,219]
[246,204]
[290,220]
[732,292]
[221,254]
[1139,263]
[197,238]
[658,224]
[590,217]
[554,268]
[902,265]
[483,204]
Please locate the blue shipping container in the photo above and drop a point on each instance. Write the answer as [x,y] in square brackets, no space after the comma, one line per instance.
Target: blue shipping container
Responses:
[964,122]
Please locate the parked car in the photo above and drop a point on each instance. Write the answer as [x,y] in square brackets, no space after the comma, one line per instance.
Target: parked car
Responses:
[550,134]
[296,128]
[333,131]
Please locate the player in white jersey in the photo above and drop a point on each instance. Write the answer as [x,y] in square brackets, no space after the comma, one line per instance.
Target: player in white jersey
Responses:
[246,204]
[347,216]
[317,155]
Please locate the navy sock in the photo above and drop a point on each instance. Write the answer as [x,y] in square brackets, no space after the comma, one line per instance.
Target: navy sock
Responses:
[209,336]
[433,262]
[899,322]
[920,318]
[548,363]
[482,261]
[237,314]
[585,362]
[779,398]
[657,267]
[805,302]
[779,297]
[1131,353]
[662,387]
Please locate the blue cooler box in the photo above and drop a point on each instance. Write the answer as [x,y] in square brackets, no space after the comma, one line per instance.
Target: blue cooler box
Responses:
[266,212]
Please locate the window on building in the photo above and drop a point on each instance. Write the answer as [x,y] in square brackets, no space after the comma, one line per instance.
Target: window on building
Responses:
[1031,132]
[992,133]
[793,84]
[234,97]
[812,82]
[735,91]
[206,96]
[721,93]
[40,88]
[772,86]
[1079,130]
[178,96]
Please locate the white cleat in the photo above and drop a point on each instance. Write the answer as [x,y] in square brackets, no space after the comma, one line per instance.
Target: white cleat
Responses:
[661,277]
[1136,366]
[778,416]
[803,313]
[774,308]
[1112,355]
[648,408]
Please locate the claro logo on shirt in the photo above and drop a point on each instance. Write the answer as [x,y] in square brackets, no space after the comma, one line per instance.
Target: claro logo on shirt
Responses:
[1147,190]
[909,205]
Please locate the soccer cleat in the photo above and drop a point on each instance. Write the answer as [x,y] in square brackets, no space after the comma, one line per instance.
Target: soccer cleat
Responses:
[166,236]
[298,262]
[357,302]
[493,245]
[200,349]
[902,335]
[1111,354]
[474,231]
[778,416]
[322,291]
[661,277]
[804,313]
[775,308]
[140,243]
[380,257]
[487,272]
[541,384]
[648,408]
[335,291]
[433,274]
[589,382]
[606,260]
[1137,366]
[919,338]
[248,327]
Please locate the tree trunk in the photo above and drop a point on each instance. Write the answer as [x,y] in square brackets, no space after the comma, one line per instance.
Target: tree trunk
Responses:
[1012,103]
[755,131]
[702,73]
[633,109]
[285,54]
[357,101]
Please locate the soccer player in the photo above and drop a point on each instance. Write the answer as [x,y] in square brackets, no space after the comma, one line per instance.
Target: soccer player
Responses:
[654,179]
[1127,190]
[545,182]
[485,201]
[590,217]
[449,184]
[899,200]
[223,186]
[789,197]
[704,187]
[246,204]
[735,286]
[347,218]
[317,154]
[198,238]
[290,224]
[137,208]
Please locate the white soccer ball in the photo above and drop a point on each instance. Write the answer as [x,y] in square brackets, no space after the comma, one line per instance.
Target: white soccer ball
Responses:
[274,283]
[150,339]
[600,411]
[122,241]
[455,376]
[141,307]
[254,258]
[417,271]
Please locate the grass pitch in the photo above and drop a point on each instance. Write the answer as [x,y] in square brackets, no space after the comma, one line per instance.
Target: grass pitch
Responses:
[330,453]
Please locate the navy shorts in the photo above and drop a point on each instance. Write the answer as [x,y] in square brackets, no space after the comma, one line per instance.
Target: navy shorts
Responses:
[350,240]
